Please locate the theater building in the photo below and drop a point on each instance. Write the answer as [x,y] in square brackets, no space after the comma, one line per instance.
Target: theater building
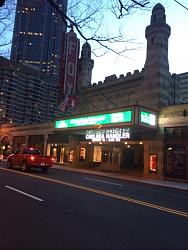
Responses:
[135,139]
[110,140]
[134,123]
[113,140]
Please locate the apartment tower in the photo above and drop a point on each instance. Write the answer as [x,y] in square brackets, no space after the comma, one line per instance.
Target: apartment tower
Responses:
[37,35]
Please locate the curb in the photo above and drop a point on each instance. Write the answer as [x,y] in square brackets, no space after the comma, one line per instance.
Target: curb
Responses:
[161,183]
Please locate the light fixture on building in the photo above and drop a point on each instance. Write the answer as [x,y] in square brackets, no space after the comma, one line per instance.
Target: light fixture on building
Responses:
[125,142]
[128,146]
[140,142]
[98,125]
[170,148]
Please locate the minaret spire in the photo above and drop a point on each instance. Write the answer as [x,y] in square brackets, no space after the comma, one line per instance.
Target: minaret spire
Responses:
[157,80]
[85,66]
[157,34]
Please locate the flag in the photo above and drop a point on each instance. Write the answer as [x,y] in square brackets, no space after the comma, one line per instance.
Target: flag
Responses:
[63,103]
[71,102]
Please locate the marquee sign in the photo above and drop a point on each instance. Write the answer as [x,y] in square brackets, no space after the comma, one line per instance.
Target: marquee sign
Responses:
[102,119]
[148,118]
[115,134]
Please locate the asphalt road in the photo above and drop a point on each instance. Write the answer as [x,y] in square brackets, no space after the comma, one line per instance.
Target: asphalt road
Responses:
[65,210]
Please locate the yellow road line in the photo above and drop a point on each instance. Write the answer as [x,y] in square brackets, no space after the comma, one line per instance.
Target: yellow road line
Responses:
[119,197]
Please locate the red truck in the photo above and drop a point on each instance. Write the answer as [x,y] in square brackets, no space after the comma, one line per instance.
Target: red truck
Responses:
[26,158]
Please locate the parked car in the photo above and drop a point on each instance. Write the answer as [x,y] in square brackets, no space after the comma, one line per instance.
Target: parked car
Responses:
[1,157]
[26,158]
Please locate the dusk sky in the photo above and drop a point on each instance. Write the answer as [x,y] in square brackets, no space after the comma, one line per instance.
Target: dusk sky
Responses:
[135,25]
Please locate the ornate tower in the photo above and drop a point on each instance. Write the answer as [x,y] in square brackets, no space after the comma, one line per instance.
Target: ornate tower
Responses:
[157,34]
[85,66]
[156,69]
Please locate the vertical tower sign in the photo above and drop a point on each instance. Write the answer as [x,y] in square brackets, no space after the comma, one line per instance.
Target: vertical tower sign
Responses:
[68,77]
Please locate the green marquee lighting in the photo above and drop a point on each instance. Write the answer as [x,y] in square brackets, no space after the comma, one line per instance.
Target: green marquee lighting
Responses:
[148,118]
[119,117]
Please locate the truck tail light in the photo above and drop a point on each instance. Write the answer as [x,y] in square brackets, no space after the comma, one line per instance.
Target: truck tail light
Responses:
[53,159]
[32,158]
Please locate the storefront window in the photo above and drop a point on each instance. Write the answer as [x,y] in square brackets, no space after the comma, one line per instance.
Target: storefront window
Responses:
[48,149]
[111,155]
[82,154]
[116,155]
[107,156]
[62,155]
[71,156]
[54,152]
[97,154]
[66,155]
[59,151]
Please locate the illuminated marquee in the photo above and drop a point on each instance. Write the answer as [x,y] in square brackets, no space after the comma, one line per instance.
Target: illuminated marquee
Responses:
[119,117]
[148,118]
[108,134]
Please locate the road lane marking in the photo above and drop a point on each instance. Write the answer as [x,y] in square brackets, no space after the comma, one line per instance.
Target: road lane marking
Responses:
[111,183]
[26,194]
[119,197]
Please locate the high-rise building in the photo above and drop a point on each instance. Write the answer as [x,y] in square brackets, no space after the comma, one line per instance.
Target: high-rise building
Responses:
[37,35]
[25,96]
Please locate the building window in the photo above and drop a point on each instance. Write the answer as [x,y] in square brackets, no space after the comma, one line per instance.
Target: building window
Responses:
[177,134]
[82,154]
[71,156]
[97,154]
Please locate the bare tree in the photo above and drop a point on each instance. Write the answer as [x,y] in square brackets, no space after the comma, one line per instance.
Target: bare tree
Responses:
[7,12]
[181,4]
[90,20]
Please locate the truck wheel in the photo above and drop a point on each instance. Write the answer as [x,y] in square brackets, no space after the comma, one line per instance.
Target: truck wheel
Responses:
[9,164]
[24,166]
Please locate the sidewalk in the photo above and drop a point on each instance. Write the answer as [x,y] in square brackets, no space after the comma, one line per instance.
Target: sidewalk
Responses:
[163,183]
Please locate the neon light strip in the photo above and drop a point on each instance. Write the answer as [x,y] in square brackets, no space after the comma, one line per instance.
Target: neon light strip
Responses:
[148,118]
[119,117]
